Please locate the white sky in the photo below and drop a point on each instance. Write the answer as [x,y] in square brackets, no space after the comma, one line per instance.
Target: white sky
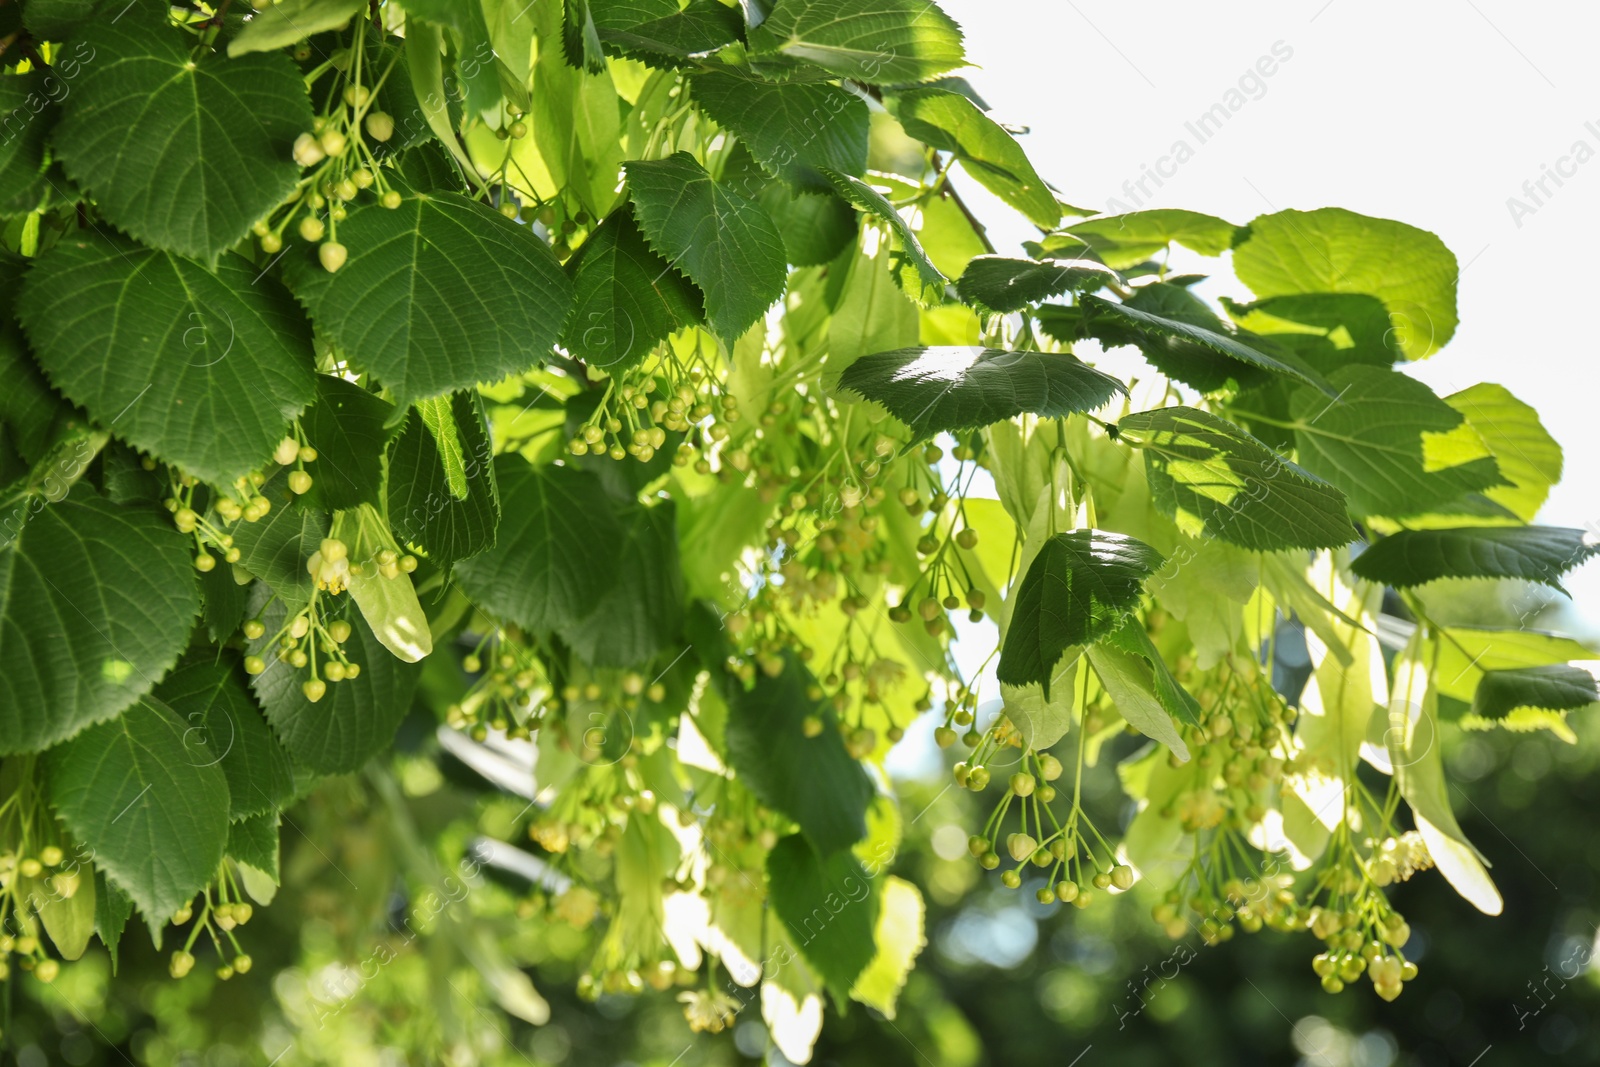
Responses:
[1432,112]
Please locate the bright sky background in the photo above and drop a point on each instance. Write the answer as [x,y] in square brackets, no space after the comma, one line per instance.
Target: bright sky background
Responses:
[1432,112]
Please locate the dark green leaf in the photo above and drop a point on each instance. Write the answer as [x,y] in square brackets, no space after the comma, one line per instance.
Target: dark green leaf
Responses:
[828,906]
[556,553]
[224,727]
[1000,283]
[1215,480]
[816,228]
[1159,334]
[957,387]
[795,131]
[156,819]
[920,278]
[111,910]
[1370,442]
[423,509]
[221,603]
[669,38]
[1559,687]
[201,368]
[1328,330]
[255,841]
[276,548]
[474,51]
[1174,699]
[349,428]
[218,132]
[641,612]
[356,719]
[724,241]
[96,603]
[628,299]
[1332,250]
[1530,553]
[811,779]
[879,41]
[952,123]
[439,294]
[53,20]
[1078,589]
[287,21]
[26,115]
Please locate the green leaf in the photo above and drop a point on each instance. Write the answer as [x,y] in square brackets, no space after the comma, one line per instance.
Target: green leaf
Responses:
[958,387]
[276,548]
[1370,442]
[659,33]
[829,906]
[816,228]
[1466,653]
[953,123]
[156,819]
[1327,330]
[53,20]
[1215,480]
[1162,335]
[557,551]
[1123,241]
[438,295]
[218,132]
[641,612]
[221,603]
[1332,250]
[423,511]
[26,115]
[873,313]
[349,428]
[795,131]
[1131,685]
[1132,638]
[474,51]
[900,937]
[287,21]
[1528,457]
[919,277]
[111,910]
[69,920]
[202,368]
[878,41]
[223,727]
[1530,553]
[1000,283]
[628,299]
[255,841]
[357,717]
[811,779]
[1041,721]
[1077,589]
[723,241]
[96,603]
[436,415]
[1557,687]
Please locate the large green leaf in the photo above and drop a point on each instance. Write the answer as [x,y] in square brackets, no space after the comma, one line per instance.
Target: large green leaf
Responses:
[654,31]
[27,113]
[1132,638]
[1000,283]
[1215,480]
[816,227]
[182,152]
[155,817]
[1155,333]
[830,907]
[276,547]
[1530,553]
[557,550]
[96,603]
[474,51]
[1370,442]
[1078,588]
[959,387]
[203,368]
[1130,683]
[1528,457]
[919,277]
[285,22]
[439,294]
[1557,687]
[723,241]
[880,41]
[424,507]
[900,937]
[953,123]
[1466,653]
[1332,250]
[640,613]
[1122,241]
[53,20]
[1327,330]
[811,779]
[627,298]
[223,726]
[350,429]
[795,131]
[356,718]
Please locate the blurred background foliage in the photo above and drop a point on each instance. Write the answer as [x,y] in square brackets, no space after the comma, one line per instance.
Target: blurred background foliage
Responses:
[380,952]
